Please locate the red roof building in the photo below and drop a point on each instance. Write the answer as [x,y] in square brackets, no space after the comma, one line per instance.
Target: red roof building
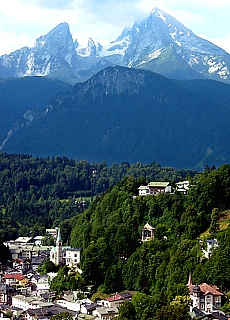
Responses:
[14,278]
[205,297]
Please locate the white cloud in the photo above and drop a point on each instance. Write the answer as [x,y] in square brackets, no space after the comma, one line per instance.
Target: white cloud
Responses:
[223,43]
[12,41]
[53,4]
[22,21]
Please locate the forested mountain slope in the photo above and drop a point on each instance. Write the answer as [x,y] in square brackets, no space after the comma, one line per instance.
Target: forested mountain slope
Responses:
[114,259]
[23,100]
[38,193]
[124,114]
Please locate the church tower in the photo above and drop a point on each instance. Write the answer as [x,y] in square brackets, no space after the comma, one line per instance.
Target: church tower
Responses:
[59,256]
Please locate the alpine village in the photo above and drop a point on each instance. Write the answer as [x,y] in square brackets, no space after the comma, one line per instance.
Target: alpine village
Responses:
[115,177]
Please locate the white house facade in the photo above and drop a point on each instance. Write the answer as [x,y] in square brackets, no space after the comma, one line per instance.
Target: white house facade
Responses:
[153,188]
[205,297]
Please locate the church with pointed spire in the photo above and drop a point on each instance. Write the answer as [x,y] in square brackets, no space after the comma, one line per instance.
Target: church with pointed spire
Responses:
[64,254]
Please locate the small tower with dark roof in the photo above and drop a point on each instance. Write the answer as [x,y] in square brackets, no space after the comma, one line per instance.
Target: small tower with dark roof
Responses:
[196,290]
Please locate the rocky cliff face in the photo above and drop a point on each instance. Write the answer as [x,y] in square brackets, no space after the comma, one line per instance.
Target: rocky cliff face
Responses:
[160,44]
[161,39]
[51,55]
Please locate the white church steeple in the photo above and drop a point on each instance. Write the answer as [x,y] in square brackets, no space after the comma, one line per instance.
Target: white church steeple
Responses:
[59,257]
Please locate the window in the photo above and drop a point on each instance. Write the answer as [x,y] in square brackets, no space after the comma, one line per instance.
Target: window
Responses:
[209,298]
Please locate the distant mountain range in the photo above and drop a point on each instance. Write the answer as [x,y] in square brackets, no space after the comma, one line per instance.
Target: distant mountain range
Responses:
[126,114]
[160,44]
[145,97]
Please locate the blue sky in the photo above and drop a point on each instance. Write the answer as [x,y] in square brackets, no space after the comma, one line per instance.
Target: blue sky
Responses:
[22,21]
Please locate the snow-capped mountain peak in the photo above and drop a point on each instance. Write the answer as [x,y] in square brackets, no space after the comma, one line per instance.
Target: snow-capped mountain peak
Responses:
[159,43]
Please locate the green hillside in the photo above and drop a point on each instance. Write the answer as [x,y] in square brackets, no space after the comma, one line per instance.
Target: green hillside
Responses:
[108,227]
[114,258]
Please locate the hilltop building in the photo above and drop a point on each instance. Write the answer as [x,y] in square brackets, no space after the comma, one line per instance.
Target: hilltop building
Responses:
[153,188]
[52,232]
[147,232]
[182,186]
[212,244]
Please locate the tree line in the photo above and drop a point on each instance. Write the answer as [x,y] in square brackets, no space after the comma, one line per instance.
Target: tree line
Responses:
[39,193]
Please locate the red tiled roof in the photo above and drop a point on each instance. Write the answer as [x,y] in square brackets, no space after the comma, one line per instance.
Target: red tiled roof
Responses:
[206,289]
[117,297]
[17,276]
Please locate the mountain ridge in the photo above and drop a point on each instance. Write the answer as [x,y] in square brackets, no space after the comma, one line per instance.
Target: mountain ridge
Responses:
[159,43]
[126,114]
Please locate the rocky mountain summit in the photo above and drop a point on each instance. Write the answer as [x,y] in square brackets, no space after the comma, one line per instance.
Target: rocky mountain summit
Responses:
[160,44]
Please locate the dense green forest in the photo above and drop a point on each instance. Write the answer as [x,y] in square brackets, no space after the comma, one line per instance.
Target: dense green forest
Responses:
[109,233]
[39,193]
[99,210]
[114,258]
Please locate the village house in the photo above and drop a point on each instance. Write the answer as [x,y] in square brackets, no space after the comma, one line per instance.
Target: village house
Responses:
[15,278]
[23,240]
[116,300]
[26,251]
[144,191]
[105,313]
[24,302]
[6,293]
[46,312]
[38,240]
[87,309]
[211,244]
[43,286]
[41,282]
[21,265]
[182,186]
[83,306]
[69,305]
[3,293]
[10,310]
[205,297]
[154,188]
[52,232]
[37,260]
